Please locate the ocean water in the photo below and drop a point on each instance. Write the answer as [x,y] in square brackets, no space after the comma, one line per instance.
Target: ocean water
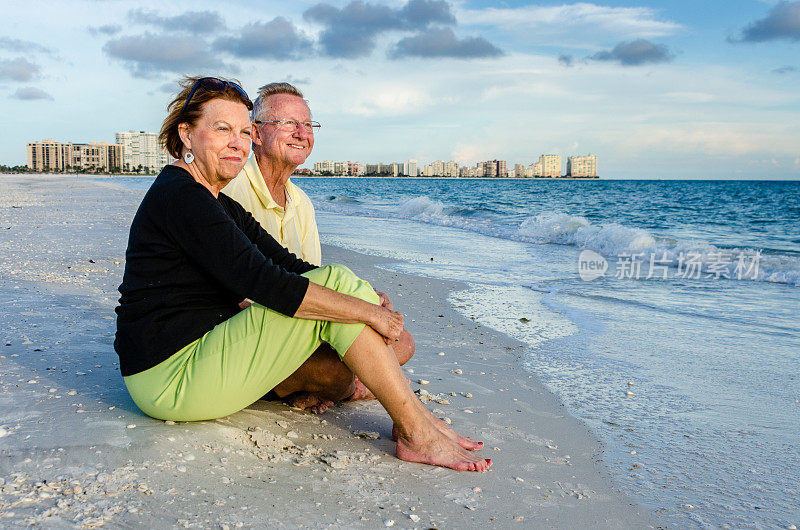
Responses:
[663,313]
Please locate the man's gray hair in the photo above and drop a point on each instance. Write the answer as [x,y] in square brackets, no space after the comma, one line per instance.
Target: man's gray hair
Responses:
[260,107]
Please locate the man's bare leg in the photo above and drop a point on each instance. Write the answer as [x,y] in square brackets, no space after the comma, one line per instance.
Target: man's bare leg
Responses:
[419,438]
[317,383]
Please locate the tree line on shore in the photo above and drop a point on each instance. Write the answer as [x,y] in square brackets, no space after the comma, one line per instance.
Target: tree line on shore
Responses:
[85,171]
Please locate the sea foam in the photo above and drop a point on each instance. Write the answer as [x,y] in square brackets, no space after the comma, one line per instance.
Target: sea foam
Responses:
[611,239]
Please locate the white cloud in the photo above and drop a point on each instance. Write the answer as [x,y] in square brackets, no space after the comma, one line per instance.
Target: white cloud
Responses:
[714,138]
[390,101]
[574,21]
[691,97]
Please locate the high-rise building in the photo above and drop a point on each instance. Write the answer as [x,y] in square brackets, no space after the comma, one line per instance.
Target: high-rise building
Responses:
[141,151]
[49,155]
[519,171]
[451,169]
[67,156]
[355,168]
[551,165]
[582,166]
[493,168]
[534,170]
[325,167]
[410,168]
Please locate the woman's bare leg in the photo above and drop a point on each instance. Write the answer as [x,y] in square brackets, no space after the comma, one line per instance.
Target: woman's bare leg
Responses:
[419,439]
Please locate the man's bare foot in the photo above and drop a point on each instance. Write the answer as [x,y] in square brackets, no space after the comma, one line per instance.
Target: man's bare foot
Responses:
[433,447]
[361,392]
[308,401]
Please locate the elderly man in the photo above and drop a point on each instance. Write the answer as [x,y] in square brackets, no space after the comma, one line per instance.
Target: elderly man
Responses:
[283,137]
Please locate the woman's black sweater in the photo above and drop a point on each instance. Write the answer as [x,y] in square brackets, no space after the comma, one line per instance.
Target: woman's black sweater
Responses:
[191,259]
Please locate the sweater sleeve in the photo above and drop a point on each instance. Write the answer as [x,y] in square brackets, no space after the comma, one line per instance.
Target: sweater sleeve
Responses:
[267,244]
[199,225]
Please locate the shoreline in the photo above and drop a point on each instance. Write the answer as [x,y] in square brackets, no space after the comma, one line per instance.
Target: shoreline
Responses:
[63,253]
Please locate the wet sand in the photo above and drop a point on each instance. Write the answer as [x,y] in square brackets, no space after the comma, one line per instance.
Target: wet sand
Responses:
[77,452]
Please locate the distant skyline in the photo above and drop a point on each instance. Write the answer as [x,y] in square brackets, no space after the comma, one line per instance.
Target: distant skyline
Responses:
[656,89]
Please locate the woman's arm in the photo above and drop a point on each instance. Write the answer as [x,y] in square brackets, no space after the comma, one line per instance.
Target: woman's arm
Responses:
[265,242]
[321,303]
[198,225]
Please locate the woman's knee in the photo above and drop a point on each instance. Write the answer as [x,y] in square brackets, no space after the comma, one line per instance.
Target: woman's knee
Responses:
[341,279]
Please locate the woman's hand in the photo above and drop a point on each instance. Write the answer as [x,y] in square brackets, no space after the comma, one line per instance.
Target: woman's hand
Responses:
[388,323]
[384,300]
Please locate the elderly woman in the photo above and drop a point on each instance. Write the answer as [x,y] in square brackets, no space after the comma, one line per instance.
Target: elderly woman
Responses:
[188,352]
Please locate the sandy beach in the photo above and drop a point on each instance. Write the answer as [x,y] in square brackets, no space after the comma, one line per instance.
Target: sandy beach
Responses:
[77,452]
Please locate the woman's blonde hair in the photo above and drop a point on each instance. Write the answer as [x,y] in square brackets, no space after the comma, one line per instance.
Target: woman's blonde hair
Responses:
[179,112]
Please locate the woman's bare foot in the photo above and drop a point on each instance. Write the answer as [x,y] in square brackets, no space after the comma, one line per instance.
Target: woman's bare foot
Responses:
[435,448]
[464,441]
[361,392]
[308,401]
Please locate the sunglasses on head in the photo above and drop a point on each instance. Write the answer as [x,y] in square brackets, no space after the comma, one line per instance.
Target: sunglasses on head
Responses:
[214,84]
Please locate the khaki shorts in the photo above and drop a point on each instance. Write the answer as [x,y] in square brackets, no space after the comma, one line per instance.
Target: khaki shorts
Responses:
[243,358]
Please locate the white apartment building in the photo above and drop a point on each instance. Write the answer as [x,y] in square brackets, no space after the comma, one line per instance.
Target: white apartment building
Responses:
[451,169]
[582,166]
[410,168]
[141,151]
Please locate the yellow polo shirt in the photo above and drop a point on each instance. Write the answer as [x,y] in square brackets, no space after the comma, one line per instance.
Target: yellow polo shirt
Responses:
[294,227]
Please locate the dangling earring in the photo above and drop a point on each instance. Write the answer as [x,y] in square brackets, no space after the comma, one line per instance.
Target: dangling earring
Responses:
[188,157]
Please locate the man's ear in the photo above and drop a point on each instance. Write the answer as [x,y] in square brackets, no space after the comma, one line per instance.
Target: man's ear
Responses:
[255,134]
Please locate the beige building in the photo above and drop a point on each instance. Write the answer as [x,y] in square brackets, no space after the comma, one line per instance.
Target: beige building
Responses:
[551,165]
[534,170]
[355,168]
[582,166]
[492,169]
[49,155]
[326,166]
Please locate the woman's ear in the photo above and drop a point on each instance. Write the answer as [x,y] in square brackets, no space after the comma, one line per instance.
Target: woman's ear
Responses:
[185,133]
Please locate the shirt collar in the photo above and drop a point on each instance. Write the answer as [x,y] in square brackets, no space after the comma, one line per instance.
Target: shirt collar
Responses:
[256,179]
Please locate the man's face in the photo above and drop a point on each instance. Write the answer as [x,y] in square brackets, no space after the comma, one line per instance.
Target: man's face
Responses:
[280,146]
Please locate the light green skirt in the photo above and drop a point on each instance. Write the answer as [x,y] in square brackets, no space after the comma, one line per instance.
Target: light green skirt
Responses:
[243,358]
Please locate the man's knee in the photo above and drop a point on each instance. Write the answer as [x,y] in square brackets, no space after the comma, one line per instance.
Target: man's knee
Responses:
[405,347]
[333,378]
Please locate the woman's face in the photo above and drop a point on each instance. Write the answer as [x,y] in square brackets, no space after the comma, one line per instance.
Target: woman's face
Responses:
[220,140]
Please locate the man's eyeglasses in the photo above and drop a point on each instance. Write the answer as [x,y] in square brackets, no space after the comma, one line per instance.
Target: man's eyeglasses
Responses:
[213,84]
[293,125]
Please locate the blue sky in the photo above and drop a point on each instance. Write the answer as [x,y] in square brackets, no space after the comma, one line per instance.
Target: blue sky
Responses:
[655,89]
